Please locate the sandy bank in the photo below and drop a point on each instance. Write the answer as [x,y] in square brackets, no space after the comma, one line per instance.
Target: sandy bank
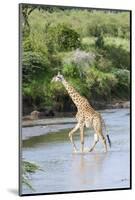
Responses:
[28,132]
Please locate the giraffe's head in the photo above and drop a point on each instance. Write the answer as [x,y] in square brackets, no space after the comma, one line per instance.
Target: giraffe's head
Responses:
[58,78]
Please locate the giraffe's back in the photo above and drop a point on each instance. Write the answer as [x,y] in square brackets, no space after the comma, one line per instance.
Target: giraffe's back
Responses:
[89,115]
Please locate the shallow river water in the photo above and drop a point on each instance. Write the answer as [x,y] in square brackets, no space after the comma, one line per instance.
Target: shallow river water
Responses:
[65,171]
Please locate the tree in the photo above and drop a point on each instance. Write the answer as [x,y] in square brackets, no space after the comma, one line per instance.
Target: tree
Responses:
[63,38]
[26,11]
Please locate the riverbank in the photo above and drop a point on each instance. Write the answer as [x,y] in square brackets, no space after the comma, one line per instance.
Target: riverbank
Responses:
[39,127]
[32,128]
[40,113]
[34,131]
[40,118]
[49,121]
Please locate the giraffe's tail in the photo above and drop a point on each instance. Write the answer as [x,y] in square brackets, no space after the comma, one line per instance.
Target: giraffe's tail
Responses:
[109,141]
[107,135]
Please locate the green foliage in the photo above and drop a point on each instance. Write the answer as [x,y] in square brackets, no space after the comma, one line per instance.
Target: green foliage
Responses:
[119,57]
[63,38]
[27,169]
[91,50]
[35,91]
[70,71]
[118,42]
[99,40]
[100,83]
[30,167]
[88,43]
[123,76]
[81,86]
[102,62]
[110,24]
[67,38]
[35,65]
[122,89]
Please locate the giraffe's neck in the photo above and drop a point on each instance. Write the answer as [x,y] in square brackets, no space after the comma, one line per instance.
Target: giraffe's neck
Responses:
[75,96]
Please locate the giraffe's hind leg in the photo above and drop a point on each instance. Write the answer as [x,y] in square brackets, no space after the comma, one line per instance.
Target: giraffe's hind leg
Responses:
[97,125]
[103,139]
[96,139]
[71,136]
[100,133]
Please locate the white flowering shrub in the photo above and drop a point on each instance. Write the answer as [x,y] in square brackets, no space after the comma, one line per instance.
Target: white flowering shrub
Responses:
[77,63]
[80,58]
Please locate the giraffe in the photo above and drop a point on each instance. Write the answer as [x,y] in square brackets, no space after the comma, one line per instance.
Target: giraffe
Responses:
[86,117]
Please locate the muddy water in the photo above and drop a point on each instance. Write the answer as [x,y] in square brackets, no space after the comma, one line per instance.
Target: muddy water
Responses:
[65,171]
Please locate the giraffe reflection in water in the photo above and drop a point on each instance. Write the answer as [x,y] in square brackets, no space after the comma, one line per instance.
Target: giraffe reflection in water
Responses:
[88,169]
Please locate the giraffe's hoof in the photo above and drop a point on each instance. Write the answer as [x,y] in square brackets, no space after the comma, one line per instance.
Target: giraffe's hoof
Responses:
[90,150]
[75,150]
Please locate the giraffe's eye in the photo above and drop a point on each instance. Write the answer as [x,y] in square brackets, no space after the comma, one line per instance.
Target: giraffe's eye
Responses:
[59,77]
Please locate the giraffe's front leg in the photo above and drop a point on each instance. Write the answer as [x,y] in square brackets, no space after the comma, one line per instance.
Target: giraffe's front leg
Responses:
[71,136]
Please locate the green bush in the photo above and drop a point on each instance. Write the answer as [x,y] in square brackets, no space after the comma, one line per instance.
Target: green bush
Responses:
[36,91]
[63,38]
[70,71]
[110,24]
[100,83]
[102,63]
[122,89]
[119,57]
[68,38]
[34,66]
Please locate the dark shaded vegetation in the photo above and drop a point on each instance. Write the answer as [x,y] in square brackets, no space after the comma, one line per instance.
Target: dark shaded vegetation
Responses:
[90,48]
